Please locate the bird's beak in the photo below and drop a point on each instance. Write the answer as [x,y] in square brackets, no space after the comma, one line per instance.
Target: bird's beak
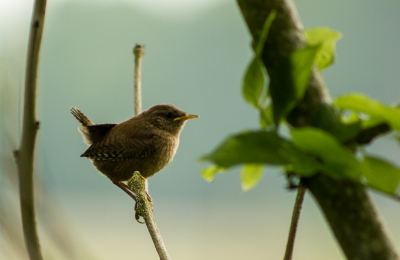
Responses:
[184,118]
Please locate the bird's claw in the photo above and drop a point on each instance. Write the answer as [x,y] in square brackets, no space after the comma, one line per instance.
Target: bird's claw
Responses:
[139,210]
[137,185]
[137,216]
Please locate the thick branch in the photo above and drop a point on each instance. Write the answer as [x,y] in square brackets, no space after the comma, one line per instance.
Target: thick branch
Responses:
[286,35]
[25,155]
[145,209]
[368,134]
[357,228]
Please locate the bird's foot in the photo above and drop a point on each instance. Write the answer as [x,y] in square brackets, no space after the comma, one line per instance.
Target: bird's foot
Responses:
[139,212]
[144,200]
[126,189]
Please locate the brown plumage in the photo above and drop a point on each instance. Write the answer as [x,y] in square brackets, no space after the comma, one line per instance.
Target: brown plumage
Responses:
[145,143]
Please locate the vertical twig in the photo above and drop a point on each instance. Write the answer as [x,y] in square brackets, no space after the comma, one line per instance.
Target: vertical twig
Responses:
[138,52]
[301,191]
[138,184]
[144,209]
[25,155]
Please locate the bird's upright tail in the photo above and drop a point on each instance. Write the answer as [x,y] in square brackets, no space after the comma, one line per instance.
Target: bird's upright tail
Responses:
[85,122]
[80,116]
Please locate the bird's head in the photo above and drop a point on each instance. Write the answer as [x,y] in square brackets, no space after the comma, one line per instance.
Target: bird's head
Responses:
[167,117]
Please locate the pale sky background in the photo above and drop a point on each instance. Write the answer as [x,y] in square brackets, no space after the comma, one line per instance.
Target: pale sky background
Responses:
[196,54]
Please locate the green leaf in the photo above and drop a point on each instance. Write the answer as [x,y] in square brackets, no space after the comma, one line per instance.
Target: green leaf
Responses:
[336,160]
[254,82]
[289,81]
[258,147]
[305,165]
[375,109]
[302,61]
[251,175]
[327,39]
[346,131]
[264,35]
[331,119]
[266,117]
[209,173]
[381,175]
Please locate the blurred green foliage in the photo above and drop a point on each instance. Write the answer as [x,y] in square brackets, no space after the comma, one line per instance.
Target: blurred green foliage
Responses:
[326,39]
[289,81]
[308,150]
[254,84]
[251,174]
[377,111]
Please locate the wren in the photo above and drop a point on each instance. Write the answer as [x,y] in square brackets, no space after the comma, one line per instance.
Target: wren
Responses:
[146,142]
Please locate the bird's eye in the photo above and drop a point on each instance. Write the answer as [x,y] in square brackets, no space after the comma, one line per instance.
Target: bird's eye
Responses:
[168,115]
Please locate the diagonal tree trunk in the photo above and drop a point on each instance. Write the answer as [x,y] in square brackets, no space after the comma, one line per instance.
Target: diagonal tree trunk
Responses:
[346,205]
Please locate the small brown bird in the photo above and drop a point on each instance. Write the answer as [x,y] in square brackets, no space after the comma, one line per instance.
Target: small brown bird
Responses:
[145,143]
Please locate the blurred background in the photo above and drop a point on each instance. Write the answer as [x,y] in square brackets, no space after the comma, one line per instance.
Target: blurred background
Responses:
[196,54]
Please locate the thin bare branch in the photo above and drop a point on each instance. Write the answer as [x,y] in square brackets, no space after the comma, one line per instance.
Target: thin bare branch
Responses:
[25,155]
[138,52]
[138,184]
[301,191]
[145,210]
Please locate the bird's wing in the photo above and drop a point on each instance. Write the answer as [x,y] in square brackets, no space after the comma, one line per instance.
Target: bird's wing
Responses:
[100,130]
[119,149]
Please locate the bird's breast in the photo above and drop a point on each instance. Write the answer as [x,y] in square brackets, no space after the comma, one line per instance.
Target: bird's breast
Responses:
[162,156]
[168,151]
